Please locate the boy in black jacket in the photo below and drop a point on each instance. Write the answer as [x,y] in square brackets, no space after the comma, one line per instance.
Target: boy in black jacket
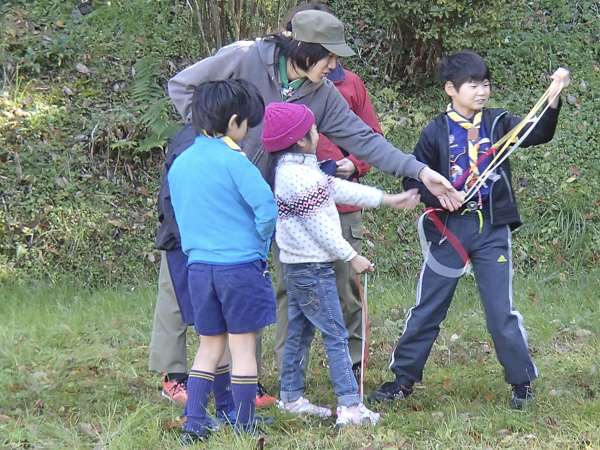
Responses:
[454,144]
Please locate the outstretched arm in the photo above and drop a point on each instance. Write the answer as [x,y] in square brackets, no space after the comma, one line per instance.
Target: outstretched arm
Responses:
[562,78]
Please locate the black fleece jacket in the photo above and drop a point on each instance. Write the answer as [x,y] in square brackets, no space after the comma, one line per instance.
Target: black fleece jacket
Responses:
[433,149]
[167,236]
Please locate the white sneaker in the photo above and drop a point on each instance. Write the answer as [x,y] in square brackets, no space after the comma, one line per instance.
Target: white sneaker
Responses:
[303,406]
[360,415]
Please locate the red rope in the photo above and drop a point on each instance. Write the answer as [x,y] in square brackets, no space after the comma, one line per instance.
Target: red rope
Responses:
[454,241]
[367,333]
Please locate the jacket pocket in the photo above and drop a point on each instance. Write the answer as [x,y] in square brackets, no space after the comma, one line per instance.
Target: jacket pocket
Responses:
[357,230]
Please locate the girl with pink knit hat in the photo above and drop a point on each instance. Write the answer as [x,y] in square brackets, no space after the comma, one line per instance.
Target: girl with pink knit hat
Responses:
[309,236]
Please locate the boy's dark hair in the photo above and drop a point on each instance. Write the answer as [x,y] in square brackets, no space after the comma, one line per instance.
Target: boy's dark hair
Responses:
[273,160]
[214,102]
[463,67]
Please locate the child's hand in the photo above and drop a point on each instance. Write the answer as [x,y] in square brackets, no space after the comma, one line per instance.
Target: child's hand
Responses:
[360,264]
[561,80]
[404,200]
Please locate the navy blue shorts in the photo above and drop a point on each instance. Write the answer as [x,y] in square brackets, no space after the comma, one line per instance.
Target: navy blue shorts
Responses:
[237,298]
[178,271]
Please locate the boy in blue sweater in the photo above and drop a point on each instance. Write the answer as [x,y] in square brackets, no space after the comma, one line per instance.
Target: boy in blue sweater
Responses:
[458,144]
[226,215]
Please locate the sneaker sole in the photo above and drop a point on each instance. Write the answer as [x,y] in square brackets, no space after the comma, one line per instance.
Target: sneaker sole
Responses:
[364,422]
[168,397]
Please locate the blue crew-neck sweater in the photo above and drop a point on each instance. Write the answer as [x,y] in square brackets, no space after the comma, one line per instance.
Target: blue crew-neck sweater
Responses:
[224,208]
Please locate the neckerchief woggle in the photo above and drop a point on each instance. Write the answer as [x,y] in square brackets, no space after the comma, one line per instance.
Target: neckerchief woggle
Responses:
[501,153]
[288,89]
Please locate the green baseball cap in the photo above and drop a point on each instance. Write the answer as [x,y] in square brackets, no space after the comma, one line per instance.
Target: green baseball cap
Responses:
[319,27]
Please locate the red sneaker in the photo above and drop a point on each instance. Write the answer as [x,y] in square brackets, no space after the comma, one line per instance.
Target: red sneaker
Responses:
[262,398]
[175,391]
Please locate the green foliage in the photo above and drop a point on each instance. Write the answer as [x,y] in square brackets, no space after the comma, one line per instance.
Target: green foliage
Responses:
[84,116]
[220,22]
[152,102]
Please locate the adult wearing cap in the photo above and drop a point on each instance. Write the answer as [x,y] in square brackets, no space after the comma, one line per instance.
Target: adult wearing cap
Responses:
[294,68]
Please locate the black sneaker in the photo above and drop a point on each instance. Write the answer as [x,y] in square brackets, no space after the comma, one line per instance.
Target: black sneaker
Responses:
[193,437]
[392,390]
[230,418]
[522,395]
[356,372]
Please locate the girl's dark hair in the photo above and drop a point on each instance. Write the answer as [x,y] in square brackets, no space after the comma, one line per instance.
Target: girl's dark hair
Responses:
[273,160]
[214,102]
[463,67]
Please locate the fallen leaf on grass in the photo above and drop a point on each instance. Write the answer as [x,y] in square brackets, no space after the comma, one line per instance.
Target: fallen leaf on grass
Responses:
[7,418]
[417,406]
[476,437]
[175,425]
[551,422]
[118,224]
[92,430]
[528,437]
[504,432]
[447,384]
[261,443]
[589,392]
[82,68]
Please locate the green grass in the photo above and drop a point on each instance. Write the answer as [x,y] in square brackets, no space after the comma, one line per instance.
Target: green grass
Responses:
[74,374]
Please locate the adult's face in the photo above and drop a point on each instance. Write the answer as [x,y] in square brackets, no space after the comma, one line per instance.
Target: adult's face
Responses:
[321,68]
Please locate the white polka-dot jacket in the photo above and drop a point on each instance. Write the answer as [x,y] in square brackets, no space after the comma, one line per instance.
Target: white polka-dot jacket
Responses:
[308,225]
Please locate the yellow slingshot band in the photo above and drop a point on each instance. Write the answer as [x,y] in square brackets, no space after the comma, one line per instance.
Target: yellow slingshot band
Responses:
[512,138]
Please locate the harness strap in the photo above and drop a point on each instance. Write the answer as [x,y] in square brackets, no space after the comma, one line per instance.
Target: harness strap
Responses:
[434,264]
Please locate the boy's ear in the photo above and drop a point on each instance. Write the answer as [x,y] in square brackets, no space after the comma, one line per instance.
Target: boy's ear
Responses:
[449,88]
[233,121]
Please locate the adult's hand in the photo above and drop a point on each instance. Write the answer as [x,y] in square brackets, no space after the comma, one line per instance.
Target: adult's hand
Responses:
[439,186]
[345,169]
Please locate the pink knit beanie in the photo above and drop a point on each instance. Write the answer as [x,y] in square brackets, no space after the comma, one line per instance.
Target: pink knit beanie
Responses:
[285,124]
